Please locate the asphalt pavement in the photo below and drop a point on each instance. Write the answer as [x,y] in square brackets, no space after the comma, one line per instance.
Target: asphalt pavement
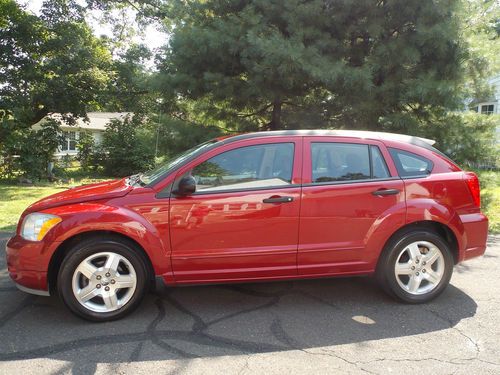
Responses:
[343,325]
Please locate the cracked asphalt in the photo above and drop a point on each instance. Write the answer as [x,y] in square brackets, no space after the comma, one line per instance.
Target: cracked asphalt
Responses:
[315,326]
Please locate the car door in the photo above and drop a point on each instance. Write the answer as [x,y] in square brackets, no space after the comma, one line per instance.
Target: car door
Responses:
[349,189]
[242,222]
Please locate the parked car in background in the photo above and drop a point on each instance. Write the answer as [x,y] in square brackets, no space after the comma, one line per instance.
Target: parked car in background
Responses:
[260,206]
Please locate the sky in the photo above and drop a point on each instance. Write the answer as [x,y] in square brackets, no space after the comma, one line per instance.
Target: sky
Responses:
[151,37]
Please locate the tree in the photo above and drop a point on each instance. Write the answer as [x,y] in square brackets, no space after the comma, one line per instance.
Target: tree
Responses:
[126,147]
[50,63]
[131,89]
[34,161]
[350,63]
[86,150]
[481,31]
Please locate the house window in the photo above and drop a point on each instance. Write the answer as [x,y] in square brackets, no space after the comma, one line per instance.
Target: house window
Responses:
[69,141]
[488,109]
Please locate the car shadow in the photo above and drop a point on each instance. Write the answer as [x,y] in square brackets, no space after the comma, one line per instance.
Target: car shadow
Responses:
[220,320]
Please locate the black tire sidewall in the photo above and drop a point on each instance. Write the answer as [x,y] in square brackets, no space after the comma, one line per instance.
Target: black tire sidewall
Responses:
[85,249]
[388,277]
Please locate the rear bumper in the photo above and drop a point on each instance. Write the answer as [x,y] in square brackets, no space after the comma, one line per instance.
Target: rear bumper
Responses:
[475,235]
[23,264]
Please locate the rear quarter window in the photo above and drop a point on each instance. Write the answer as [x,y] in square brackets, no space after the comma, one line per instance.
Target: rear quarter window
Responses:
[410,164]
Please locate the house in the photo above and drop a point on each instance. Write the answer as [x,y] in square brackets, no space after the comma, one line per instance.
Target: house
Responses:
[96,124]
[490,105]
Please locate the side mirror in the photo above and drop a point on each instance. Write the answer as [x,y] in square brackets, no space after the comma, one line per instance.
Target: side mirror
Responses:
[187,186]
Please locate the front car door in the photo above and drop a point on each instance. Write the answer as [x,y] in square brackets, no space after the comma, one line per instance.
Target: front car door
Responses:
[242,222]
[350,188]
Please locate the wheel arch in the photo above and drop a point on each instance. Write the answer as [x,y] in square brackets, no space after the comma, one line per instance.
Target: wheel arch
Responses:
[442,230]
[64,247]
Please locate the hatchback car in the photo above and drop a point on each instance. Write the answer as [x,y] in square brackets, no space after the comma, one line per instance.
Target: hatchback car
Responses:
[261,206]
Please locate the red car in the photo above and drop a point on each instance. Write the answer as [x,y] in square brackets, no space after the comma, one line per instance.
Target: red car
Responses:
[261,206]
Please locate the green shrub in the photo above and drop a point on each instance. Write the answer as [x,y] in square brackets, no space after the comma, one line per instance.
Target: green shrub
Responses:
[65,161]
[468,138]
[127,150]
[86,150]
[36,148]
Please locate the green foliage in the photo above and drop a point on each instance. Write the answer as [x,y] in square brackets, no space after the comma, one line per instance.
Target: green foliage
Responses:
[50,63]
[86,150]
[132,89]
[231,66]
[176,135]
[127,148]
[480,20]
[36,149]
[468,138]
[64,162]
[490,197]
[349,63]
[53,63]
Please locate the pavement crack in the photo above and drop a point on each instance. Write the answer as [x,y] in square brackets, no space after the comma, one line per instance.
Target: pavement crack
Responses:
[456,329]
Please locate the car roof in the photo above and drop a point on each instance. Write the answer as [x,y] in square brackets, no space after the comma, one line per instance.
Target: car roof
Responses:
[362,134]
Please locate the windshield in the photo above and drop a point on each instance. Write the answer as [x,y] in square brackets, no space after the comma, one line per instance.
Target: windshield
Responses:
[154,174]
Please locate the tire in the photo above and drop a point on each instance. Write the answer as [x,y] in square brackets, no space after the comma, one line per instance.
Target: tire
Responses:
[103,279]
[415,267]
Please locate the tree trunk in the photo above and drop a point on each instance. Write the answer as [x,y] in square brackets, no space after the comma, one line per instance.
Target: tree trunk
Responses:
[275,123]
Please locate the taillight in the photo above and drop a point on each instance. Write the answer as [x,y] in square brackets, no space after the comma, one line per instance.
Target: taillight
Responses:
[473,184]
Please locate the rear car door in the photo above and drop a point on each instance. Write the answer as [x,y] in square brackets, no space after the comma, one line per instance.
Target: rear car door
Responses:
[350,186]
[242,222]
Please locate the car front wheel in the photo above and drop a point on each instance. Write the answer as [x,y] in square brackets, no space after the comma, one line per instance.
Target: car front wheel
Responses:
[102,279]
[416,267]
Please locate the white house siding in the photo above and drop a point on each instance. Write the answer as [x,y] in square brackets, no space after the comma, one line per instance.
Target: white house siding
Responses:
[96,125]
[490,105]
[96,134]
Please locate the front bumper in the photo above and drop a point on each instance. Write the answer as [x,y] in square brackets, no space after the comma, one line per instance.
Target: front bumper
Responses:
[475,235]
[27,266]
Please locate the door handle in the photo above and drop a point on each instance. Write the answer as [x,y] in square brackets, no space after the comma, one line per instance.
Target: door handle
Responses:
[278,200]
[384,192]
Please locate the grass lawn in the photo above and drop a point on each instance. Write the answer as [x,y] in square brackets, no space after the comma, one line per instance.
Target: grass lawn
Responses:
[14,199]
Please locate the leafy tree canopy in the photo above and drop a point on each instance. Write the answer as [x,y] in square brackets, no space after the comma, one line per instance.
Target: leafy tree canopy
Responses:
[49,63]
[330,63]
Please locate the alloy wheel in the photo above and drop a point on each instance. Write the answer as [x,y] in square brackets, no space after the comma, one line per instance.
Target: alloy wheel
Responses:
[419,267]
[104,282]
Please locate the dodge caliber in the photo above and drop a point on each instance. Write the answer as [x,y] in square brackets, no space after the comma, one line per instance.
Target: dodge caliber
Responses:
[253,207]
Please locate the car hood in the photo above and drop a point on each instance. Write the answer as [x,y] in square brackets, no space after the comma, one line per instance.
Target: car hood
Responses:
[85,193]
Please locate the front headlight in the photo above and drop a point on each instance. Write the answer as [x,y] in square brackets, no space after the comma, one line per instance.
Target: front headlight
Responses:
[36,225]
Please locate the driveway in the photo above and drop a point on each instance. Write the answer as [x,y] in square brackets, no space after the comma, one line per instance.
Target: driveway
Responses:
[316,326]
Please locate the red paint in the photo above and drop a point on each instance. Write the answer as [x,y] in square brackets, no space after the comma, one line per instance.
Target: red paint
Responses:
[327,230]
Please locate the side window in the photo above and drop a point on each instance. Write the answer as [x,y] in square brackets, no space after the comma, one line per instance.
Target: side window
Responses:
[339,162]
[409,164]
[262,166]
[379,167]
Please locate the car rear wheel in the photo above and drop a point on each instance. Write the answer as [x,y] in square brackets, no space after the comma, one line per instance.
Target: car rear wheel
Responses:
[102,279]
[416,267]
